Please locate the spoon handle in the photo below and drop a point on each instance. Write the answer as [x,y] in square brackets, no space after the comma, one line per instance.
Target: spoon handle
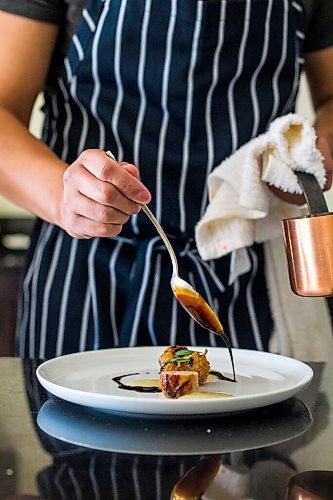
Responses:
[163,236]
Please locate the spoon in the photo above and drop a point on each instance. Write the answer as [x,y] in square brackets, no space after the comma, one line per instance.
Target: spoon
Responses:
[193,303]
[195,482]
[186,295]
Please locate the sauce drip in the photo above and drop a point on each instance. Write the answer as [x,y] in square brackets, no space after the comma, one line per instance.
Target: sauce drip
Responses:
[227,343]
[220,376]
[198,308]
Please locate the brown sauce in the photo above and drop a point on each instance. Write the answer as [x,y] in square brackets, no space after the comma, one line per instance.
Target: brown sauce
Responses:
[227,343]
[220,376]
[198,308]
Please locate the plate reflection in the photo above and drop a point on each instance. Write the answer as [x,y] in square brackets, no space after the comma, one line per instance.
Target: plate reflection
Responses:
[138,434]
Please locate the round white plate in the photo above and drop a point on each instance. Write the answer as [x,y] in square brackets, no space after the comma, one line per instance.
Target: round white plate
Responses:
[86,379]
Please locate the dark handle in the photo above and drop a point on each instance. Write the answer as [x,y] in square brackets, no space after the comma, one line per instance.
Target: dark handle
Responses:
[314,196]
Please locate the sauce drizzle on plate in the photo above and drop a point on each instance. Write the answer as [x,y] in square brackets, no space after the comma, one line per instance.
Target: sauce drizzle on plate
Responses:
[145,385]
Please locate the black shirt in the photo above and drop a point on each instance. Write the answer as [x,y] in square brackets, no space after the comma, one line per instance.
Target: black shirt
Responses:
[318,17]
[318,21]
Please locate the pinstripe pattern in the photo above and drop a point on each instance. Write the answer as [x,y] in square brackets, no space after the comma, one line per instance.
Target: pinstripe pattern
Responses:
[113,475]
[92,282]
[174,87]
[143,98]
[254,93]
[46,297]
[85,119]
[120,90]
[208,110]
[68,120]
[282,61]
[64,298]
[85,320]
[57,481]
[113,291]
[299,60]
[164,106]
[231,98]
[188,117]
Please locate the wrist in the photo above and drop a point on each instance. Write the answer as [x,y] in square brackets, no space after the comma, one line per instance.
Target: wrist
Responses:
[324,121]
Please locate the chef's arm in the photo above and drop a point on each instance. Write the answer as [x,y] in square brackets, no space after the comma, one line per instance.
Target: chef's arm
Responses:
[93,196]
[30,173]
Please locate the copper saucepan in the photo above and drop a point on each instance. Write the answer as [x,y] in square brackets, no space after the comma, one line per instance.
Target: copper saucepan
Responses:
[308,243]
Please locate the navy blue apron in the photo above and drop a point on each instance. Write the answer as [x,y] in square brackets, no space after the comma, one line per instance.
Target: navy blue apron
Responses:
[174,87]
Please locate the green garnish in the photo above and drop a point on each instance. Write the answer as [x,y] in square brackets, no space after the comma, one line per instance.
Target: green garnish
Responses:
[179,358]
[184,352]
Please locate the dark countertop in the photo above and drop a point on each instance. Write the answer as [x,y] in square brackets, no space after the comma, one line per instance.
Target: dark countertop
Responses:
[97,455]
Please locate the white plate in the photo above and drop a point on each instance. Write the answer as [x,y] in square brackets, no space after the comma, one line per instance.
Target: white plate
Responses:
[86,379]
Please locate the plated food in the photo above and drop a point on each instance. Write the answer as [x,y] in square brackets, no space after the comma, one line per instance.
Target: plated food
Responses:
[176,358]
[182,372]
[123,380]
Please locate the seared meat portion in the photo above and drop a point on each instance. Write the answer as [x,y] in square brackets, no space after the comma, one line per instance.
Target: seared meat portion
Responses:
[175,384]
[180,358]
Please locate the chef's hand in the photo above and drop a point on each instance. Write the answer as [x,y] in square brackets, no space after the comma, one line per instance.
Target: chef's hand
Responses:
[327,152]
[100,195]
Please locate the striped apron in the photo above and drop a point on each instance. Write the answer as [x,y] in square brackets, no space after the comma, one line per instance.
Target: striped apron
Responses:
[173,87]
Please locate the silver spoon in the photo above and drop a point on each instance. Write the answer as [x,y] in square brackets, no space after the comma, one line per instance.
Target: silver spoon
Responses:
[195,482]
[186,295]
[189,298]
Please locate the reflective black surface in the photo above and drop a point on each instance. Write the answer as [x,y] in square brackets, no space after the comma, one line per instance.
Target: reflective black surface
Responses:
[53,449]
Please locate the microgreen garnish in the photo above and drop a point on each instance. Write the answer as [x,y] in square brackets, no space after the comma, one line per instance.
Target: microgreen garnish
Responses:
[177,359]
[184,352]
[180,357]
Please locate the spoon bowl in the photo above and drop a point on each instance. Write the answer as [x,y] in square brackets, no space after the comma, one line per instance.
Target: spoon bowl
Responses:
[186,295]
[195,305]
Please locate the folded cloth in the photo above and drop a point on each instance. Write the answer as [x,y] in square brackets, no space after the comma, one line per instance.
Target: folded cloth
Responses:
[242,210]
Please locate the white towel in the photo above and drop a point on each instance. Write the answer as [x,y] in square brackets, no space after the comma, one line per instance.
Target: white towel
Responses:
[242,210]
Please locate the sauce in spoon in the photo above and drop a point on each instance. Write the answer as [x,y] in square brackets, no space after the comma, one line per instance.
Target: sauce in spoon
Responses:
[201,312]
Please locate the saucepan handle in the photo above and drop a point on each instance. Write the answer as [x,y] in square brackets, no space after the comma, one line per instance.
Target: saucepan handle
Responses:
[313,194]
